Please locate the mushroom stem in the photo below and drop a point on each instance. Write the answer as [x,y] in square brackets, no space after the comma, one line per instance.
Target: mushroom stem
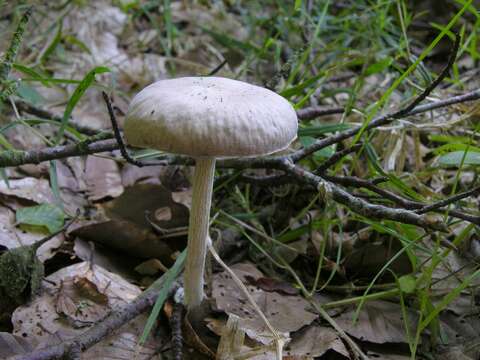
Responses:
[198,230]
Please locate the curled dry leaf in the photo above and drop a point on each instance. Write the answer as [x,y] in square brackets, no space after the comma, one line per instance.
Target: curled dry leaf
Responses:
[286,313]
[125,236]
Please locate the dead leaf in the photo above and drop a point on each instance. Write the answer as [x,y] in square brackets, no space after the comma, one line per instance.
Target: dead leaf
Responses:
[286,313]
[128,238]
[379,322]
[103,178]
[77,308]
[40,319]
[28,188]
[126,228]
[314,341]
[66,178]
[89,290]
[132,174]
[367,260]
[461,352]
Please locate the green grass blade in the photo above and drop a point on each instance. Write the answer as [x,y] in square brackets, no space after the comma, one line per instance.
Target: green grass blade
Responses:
[163,284]
[448,299]
[32,73]
[76,96]
[53,44]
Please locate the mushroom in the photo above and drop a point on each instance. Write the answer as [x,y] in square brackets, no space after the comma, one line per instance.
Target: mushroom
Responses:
[208,118]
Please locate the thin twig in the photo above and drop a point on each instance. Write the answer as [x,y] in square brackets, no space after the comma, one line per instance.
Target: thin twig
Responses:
[218,68]
[397,199]
[450,200]
[20,157]
[362,207]
[116,131]
[380,121]
[317,111]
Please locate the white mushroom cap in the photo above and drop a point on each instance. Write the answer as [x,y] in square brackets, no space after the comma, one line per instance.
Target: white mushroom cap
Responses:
[211,117]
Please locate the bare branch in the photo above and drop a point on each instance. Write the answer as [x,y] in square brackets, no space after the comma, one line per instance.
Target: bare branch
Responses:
[317,111]
[380,121]
[360,206]
[442,203]
[116,132]
[19,157]
[406,203]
